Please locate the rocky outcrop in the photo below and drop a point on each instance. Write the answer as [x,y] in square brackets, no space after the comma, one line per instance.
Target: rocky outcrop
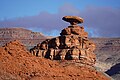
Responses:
[73,20]
[16,63]
[72,44]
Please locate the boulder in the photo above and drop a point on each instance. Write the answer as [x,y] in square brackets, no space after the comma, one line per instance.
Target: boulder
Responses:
[73,20]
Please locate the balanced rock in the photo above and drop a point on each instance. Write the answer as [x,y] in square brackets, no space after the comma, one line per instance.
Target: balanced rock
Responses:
[73,20]
[72,44]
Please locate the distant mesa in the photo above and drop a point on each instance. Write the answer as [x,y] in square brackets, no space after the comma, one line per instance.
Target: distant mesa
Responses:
[27,37]
[73,20]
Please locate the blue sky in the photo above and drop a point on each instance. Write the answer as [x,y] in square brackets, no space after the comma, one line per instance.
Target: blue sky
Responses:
[102,17]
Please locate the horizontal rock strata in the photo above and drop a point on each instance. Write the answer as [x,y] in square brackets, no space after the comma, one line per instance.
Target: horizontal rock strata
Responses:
[72,44]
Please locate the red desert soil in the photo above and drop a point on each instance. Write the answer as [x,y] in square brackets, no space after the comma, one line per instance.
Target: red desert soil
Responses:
[16,63]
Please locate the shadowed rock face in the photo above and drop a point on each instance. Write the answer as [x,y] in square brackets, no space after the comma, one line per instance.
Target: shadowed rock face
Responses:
[114,70]
[73,44]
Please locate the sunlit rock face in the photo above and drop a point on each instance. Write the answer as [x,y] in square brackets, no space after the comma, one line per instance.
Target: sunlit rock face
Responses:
[72,44]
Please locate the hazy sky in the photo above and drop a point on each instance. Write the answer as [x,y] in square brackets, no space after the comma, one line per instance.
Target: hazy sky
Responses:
[101,17]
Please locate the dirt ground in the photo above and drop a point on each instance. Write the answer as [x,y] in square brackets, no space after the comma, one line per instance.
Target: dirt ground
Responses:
[16,63]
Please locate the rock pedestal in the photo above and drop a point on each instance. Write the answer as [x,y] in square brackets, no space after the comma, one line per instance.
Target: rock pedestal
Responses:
[72,44]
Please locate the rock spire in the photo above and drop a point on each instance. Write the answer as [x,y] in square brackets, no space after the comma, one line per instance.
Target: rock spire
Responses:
[72,44]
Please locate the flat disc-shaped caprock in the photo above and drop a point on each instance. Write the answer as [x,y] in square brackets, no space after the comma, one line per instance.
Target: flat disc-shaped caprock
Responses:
[73,20]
